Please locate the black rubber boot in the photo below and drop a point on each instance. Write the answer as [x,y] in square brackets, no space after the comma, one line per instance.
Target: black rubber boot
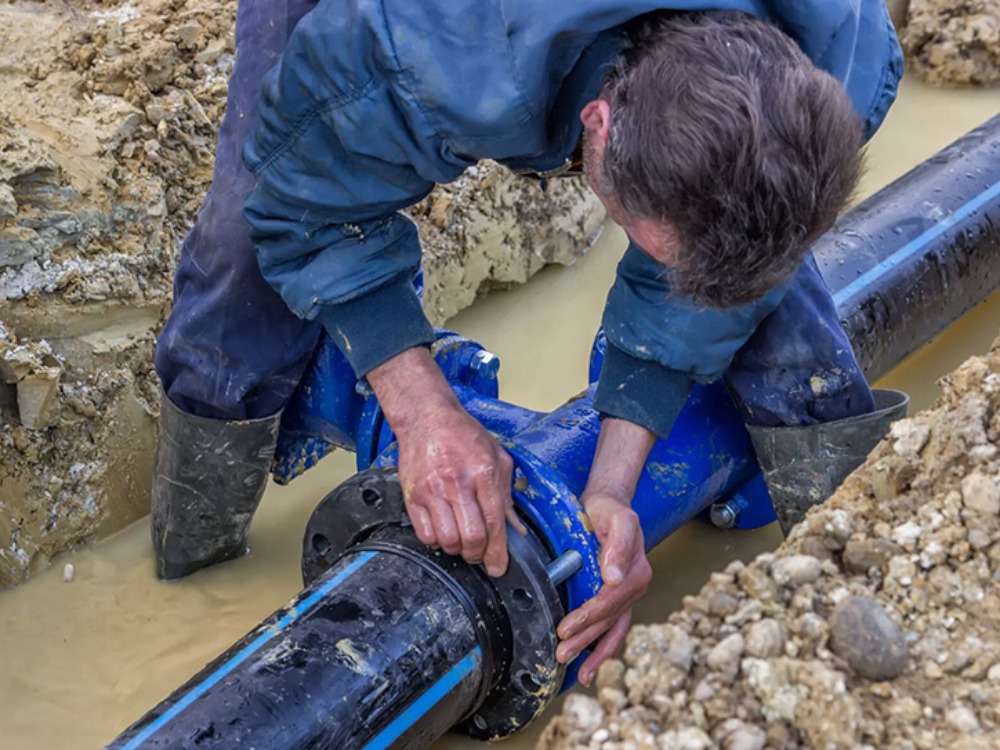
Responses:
[804,465]
[209,478]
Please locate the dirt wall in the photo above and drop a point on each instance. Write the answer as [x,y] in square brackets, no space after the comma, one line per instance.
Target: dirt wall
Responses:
[106,145]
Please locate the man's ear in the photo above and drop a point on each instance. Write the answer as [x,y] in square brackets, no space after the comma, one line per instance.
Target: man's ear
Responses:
[596,118]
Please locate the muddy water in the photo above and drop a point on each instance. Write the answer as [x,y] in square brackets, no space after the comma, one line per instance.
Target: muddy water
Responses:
[81,660]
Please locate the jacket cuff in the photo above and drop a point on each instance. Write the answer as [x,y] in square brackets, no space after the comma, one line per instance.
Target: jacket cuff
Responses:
[644,393]
[377,326]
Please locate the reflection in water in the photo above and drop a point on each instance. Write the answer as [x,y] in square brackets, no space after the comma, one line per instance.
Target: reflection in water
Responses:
[82,660]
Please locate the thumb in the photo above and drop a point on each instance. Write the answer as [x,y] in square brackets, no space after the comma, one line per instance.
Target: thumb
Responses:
[618,548]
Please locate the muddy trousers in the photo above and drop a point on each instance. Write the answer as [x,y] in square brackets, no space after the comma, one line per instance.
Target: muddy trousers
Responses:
[232,350]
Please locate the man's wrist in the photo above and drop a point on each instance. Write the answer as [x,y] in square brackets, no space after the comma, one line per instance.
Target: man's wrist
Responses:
[622,449]
[409,387]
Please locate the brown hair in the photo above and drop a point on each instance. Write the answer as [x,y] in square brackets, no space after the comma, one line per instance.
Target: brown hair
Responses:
[723,129]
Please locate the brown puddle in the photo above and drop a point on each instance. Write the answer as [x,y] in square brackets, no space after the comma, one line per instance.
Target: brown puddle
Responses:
[82,660]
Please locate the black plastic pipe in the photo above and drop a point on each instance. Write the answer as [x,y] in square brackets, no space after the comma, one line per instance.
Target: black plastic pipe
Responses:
[906,263]
[384,649]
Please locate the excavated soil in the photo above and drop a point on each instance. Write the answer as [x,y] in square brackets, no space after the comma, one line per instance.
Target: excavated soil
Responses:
[873,626]
[954,41]
[106,145]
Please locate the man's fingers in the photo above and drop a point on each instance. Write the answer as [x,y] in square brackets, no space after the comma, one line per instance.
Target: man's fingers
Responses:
[515,521]
[570,647]
[610,644]
[610,600]
[422,525]
[472,529]
[445,528]
[494,504]
[618,548]
[495,558]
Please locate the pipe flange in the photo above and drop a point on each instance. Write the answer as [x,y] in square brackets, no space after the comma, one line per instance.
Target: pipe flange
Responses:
[534,607]
[542,496]
[348,515]
[527,677]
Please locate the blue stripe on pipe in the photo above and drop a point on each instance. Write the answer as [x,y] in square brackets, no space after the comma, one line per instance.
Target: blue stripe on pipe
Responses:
[430,698]
[247,651]
[916,245]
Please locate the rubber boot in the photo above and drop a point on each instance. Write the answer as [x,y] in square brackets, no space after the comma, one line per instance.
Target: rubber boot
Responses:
[208,480]
[803,466]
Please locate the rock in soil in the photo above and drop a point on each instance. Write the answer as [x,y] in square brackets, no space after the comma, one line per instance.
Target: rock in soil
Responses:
[863,635]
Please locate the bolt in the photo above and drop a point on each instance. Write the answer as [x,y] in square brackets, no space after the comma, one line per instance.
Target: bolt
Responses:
[564,566]
[363,389]
[485,364]
[724,515]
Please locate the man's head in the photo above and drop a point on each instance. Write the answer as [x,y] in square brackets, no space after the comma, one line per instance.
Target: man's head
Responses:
[722,151]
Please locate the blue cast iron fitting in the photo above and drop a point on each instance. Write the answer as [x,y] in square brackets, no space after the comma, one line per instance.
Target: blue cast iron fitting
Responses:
[332,409]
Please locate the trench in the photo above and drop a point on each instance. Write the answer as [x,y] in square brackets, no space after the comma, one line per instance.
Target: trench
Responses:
[82,660]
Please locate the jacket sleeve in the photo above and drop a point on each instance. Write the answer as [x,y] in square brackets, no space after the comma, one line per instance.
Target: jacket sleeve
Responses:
[857,44]
[660,344]
[338,149]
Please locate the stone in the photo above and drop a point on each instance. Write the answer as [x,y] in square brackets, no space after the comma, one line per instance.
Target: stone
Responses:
[907,534]
[721,604]
[765,639]
[909,437]
[796,570]
[612,699]
[816,547]
[583,713]
[704,691]
[690,738]
[962,718]
[757,583]
[37,398]
[441,211]
[981,494]
[863,635]
[745,737]
[611,674]
[864,554]
[8,202]
[725,656]
[838,525]
[681,651]
[156,111]
[978,539]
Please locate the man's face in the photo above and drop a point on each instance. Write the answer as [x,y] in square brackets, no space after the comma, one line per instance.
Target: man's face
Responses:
[653,238]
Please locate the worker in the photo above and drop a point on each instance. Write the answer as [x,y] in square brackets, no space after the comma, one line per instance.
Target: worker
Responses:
[722,141]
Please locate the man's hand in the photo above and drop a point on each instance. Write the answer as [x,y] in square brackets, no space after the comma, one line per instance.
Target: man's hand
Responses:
[621,453]
[455,476]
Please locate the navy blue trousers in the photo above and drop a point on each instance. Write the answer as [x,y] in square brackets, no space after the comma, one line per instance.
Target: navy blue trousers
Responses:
[232,349]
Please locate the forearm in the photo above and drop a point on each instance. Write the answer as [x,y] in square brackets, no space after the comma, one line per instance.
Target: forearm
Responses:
[622,449]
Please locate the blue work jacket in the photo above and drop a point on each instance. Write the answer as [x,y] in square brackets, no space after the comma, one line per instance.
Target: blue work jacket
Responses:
[375,101]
